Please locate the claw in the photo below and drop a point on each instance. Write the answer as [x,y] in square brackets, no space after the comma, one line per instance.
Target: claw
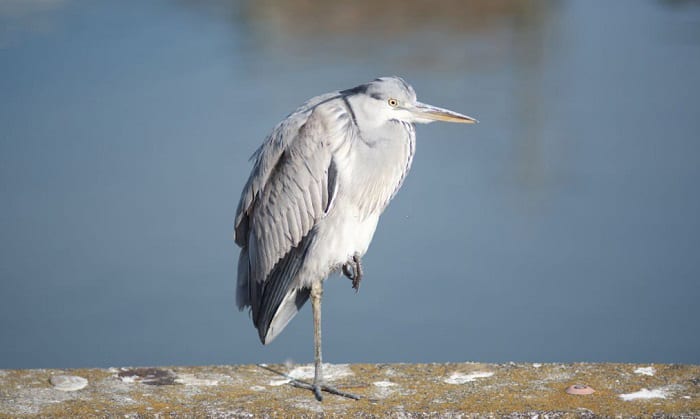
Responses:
[358,273]
[317,393]
[348,271]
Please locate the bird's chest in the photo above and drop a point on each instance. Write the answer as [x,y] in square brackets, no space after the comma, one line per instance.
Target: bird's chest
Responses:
[375,166]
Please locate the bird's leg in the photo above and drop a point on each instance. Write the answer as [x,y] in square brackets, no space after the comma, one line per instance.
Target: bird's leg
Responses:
[353,270]
[316,296]
[318,384]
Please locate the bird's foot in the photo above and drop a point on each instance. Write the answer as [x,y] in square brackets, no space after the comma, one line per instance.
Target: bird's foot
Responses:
[353,270]
[318,388]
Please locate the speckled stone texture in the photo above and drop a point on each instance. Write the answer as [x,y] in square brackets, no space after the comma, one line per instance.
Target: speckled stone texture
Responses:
[396,390]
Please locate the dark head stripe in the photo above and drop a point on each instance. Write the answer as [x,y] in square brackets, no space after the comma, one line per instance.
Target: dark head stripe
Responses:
[355,90]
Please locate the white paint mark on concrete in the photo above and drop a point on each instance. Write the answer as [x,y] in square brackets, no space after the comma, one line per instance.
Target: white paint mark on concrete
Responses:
[68,382]
[658,393]
[306,372]
[191,380]
[130,379]
[459,378]
[330,371]
[384,389]
[309,404]
[279,382]
[645,371]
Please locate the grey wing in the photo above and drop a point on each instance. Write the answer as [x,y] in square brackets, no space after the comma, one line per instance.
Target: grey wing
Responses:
[291,187]
[286,135]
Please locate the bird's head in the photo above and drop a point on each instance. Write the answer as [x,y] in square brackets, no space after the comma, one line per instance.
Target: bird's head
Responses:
[391,98]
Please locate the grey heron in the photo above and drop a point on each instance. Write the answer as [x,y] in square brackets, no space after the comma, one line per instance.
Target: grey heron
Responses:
[319,183]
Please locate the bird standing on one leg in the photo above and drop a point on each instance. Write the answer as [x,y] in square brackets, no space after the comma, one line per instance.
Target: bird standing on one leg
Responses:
[311,205]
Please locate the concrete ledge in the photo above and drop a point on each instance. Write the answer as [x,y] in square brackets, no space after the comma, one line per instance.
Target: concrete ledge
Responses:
[401,390]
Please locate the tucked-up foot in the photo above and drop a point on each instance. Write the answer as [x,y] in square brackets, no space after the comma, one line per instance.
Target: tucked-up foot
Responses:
[353,270]
[318,388]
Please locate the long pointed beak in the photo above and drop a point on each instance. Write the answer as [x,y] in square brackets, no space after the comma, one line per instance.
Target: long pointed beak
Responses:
[428,113]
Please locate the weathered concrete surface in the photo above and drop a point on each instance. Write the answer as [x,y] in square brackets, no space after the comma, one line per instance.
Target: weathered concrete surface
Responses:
[401,390]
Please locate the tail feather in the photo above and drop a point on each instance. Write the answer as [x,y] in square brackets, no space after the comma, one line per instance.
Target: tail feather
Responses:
[291,304]
[243,284]
[277,299]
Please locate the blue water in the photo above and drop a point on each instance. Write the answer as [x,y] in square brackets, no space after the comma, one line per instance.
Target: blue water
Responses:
[564,227]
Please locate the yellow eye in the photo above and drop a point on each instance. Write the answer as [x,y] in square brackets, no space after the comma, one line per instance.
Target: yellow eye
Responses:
[393,103]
